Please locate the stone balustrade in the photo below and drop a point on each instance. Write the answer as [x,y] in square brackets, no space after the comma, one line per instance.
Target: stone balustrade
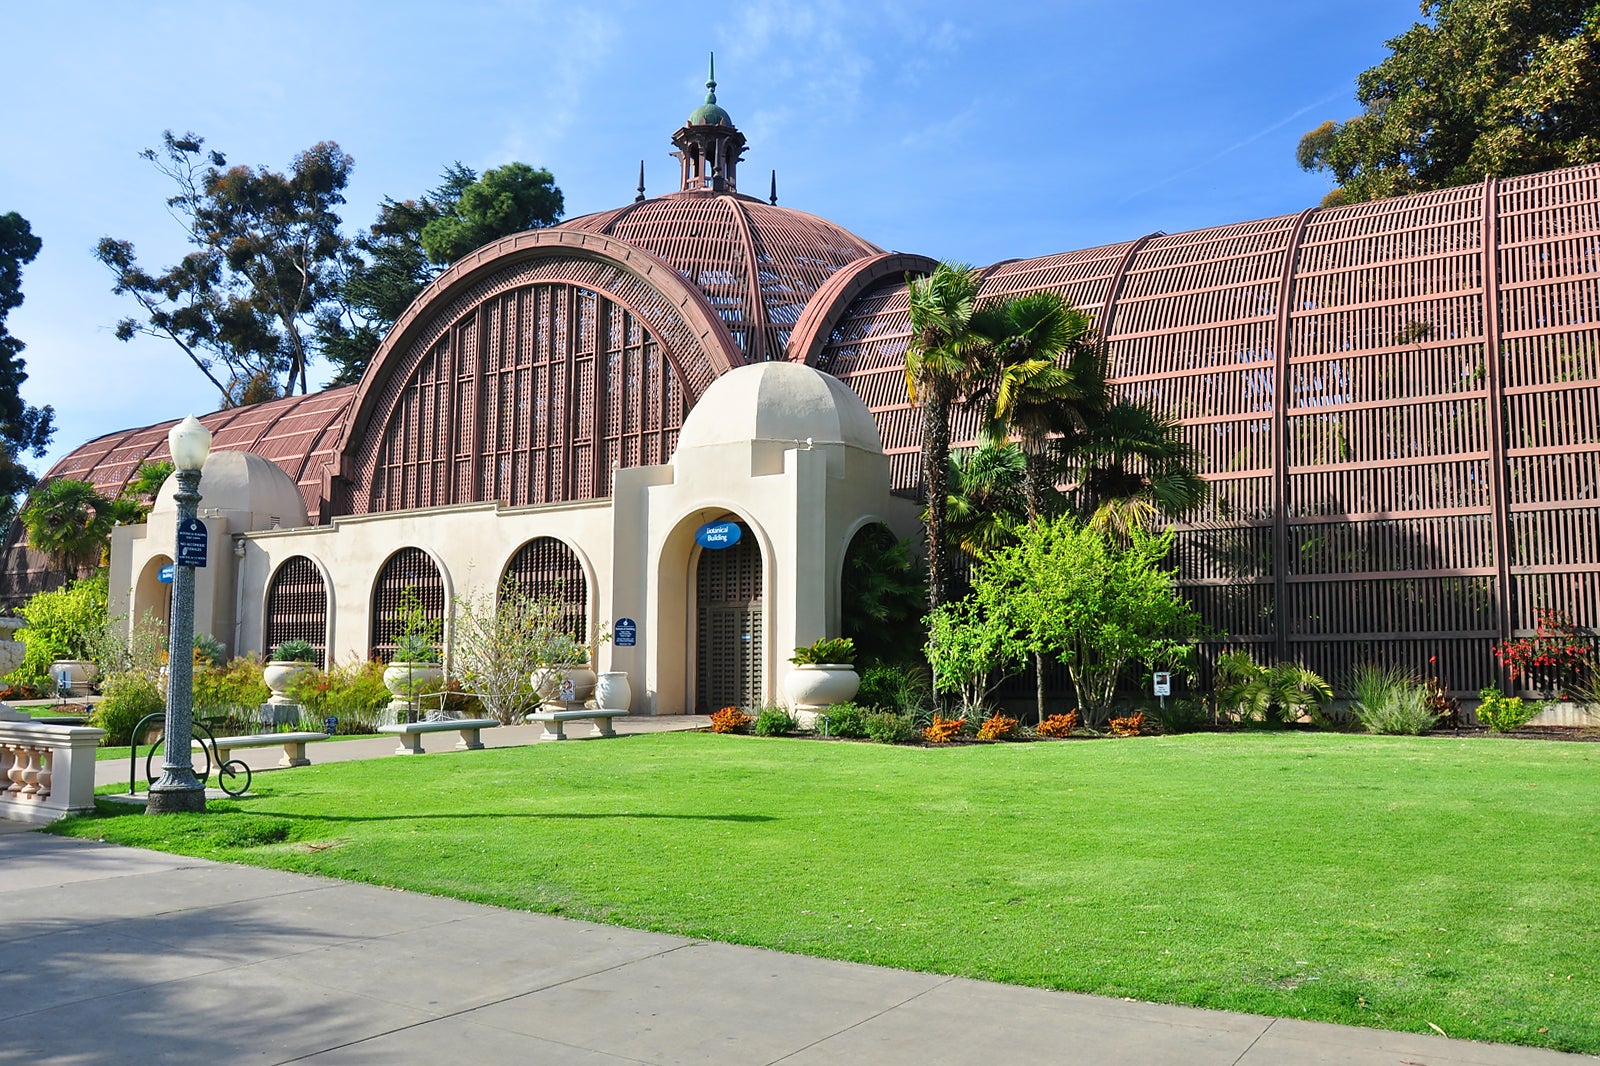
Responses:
[46,771]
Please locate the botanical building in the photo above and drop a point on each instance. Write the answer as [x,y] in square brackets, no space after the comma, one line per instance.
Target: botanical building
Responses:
[1395,401]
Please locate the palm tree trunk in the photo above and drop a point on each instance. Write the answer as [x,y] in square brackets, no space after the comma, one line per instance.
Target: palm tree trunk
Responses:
[936,471]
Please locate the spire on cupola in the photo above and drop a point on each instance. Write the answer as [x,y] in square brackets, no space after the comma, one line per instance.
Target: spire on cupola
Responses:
[709,145]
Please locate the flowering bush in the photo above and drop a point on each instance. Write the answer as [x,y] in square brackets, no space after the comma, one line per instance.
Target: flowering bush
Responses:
[943,730]
[1557,652]
[1058,725]
[1127,727]
[999,727]
[730,720]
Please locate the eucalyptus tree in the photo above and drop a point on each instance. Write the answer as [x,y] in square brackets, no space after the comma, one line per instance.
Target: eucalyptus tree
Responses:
[266,248]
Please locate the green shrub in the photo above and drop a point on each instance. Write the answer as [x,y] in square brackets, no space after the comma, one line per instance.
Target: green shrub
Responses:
[887,727]
[1269,695]
[294,651]
[125,698]
[234,690]
[1389,700]
[210,649]
[1178,715]
[1504,713]
[774,722]
[65,623]
[847,720]
[354,693]
[832,651]
[903,688]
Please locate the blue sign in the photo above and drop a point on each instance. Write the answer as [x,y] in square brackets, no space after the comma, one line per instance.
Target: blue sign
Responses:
[191,543]
[625,634]
[718,535]
[164,575]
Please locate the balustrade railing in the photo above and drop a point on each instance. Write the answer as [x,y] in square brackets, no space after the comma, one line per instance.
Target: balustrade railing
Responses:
[46,771]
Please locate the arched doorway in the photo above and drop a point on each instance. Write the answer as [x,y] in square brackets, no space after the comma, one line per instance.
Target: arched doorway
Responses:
[297,606]
[152,597]
[728,630]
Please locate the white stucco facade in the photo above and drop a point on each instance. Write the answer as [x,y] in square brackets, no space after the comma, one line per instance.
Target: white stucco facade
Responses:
[788,452]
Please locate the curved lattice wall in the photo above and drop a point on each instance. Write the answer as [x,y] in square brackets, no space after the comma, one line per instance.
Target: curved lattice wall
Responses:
[1398,418]
[527,389]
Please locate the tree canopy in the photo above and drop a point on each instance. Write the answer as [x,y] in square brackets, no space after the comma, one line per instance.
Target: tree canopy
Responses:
[24,429]
[1485,88]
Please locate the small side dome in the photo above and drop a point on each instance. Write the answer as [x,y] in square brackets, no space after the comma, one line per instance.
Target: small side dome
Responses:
[779,401]
[253,491]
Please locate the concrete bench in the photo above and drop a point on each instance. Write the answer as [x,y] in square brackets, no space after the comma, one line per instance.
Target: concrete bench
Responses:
[555,722]
[294,745]
[410,733]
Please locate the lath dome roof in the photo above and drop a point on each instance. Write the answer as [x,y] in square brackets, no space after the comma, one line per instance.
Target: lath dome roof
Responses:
[756,262]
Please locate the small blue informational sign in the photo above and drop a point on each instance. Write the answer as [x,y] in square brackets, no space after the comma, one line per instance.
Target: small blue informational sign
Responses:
[164,575]
[191,543]
[625,634]
[718,535]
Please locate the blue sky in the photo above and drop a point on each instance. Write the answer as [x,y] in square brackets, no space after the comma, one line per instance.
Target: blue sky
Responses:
[966,131]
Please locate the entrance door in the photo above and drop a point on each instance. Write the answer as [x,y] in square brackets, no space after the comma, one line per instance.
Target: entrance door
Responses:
[729,633]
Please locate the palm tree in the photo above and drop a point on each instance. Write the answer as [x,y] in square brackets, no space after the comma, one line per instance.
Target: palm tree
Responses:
[981,505]
[1132,466]
[68,521]
[1049,378]
[945,359]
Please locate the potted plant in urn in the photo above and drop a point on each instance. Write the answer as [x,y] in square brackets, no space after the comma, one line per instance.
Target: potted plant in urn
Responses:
[565,659]
[289,661]
[824,673]
[415,670]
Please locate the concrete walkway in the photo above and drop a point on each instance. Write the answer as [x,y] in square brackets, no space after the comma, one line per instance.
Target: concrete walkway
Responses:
[122,955]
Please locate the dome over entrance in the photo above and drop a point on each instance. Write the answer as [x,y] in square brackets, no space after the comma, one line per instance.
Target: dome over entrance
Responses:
[779,402]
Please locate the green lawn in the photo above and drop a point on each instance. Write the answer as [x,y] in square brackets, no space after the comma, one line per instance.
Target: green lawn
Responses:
[1377,881]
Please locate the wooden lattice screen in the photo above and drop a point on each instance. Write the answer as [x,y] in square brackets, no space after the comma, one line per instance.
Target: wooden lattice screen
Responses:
[729,632]
[547,568]
[1397,406]
[408,568]
[297,606]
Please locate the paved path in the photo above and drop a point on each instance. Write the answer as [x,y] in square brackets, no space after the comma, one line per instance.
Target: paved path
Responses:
[118,955]
[115,772]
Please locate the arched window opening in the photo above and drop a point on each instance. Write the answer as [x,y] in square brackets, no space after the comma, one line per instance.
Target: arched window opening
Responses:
[545,568]
[297,607]
[409,569]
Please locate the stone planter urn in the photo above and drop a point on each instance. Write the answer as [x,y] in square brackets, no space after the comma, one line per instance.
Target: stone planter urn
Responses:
[279,674]
[612,692]
[548,682]
[79,674]
[815,687]
[405,679]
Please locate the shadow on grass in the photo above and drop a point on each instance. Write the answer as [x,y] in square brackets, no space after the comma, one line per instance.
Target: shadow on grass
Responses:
[106,810]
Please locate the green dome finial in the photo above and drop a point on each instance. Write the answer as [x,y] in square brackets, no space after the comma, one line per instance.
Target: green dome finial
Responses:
[710,113]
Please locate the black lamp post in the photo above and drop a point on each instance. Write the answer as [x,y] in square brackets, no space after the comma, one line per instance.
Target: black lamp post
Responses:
[179,790]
